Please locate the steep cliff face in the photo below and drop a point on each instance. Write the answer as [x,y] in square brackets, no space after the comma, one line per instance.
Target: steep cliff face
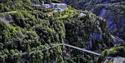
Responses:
[36,35]
[111,10]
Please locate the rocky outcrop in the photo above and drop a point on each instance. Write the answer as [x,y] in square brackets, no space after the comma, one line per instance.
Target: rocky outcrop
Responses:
[111,10]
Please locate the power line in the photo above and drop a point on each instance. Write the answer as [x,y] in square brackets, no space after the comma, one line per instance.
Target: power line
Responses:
[82,49]
[56,45]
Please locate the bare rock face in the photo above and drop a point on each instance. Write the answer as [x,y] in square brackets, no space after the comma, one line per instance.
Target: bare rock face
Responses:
[111,10]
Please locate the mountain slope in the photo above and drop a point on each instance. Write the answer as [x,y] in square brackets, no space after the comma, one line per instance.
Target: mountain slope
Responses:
[36,35]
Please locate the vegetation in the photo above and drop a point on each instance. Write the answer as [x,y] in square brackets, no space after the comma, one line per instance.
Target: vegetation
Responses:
[111,10]
[37,35]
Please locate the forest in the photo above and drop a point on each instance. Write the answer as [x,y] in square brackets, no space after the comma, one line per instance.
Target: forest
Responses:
[86,31]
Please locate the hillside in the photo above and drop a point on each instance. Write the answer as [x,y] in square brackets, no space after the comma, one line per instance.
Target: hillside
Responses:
[111,10]
[36,35]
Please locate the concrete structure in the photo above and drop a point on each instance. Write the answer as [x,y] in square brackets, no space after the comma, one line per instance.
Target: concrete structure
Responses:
[58,7]
[47,5]
[119,60]
[115,60]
